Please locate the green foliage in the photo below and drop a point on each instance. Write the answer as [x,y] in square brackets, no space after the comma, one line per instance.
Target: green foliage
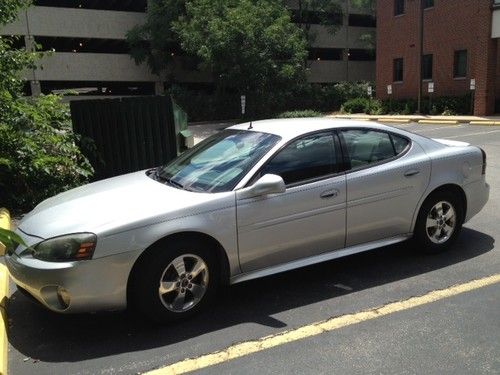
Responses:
[327,13]
[205,106]
[9,9]
[444,105]
[362,105]
[302,113]
[154,41]
[250,46]
[10,239]
[39,157]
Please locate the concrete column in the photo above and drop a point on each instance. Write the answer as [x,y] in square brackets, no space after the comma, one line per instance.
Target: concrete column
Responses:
[36,88]
[29,42]
[159,88]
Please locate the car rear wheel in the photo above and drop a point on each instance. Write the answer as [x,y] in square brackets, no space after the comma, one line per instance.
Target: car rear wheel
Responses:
[174,281]
[439,222]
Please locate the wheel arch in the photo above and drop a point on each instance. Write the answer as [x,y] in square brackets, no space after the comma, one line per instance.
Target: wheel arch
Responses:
[445,187]
[198,236]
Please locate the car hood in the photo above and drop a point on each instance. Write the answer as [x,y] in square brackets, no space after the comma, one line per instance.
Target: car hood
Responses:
[114,205]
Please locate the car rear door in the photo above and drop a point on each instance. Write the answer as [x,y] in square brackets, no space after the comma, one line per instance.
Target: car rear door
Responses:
[387,175]
[308,218]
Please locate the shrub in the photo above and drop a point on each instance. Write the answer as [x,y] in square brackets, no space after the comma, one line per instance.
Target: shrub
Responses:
[361,105]
[302,113]
[206,105]
[38,154]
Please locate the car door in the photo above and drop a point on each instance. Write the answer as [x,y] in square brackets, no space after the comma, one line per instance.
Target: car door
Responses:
[388,175]
[308,218]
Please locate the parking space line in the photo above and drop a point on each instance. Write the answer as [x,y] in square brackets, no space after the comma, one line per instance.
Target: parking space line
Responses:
[472,134]
[249,347]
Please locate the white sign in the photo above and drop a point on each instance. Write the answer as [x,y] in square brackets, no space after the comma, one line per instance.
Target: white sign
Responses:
[370,91]
[389,89]
[473,84]
[430,87]
[243,103]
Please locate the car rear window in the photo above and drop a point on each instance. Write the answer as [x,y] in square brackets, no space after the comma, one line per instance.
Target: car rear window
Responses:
[365,146]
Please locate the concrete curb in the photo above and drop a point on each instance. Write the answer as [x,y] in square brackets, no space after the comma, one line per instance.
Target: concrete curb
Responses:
[4,297]
[439,122]
[472,120]
[485,123]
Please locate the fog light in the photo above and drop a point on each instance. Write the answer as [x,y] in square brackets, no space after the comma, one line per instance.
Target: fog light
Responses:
[63,297]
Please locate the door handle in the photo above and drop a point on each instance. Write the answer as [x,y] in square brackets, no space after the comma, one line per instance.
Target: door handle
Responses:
[411,172]
[329,194]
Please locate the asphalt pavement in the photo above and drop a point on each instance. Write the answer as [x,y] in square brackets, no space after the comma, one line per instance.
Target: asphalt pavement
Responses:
[459,334]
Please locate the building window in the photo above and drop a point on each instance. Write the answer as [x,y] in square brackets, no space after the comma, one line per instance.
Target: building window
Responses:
[399,7]
[428,4]
[427,67]
[398,70]
[460,64]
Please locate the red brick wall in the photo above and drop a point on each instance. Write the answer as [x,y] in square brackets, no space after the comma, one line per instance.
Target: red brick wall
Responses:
[450,25]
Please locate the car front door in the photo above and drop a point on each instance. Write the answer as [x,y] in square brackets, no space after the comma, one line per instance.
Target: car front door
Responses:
[388,175]
[308,218]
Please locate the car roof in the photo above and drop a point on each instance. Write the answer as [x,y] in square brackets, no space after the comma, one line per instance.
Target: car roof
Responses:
[291,128]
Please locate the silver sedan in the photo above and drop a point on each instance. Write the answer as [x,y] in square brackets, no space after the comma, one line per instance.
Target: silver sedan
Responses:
[253,200]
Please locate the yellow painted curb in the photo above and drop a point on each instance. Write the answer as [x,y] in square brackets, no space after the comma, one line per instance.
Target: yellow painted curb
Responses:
[397,120]
[5,224]
[439,122]
[485,123]
[4,293]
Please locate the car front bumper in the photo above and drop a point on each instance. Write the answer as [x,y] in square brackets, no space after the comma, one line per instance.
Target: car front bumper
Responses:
[91,285]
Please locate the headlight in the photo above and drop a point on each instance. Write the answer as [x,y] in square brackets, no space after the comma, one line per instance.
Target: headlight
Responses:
[78,246]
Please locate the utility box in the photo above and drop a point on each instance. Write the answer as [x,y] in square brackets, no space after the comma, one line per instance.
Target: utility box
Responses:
[125,135]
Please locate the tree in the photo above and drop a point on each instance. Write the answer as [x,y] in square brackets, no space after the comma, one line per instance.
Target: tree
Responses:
[250,46]
[327,13]
[12,61]
[38,154]
[155,42]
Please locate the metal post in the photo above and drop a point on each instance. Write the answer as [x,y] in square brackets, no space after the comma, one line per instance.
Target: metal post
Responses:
[420,56]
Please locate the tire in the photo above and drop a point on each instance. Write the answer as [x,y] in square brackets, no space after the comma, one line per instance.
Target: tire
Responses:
[439,222]
[189,274]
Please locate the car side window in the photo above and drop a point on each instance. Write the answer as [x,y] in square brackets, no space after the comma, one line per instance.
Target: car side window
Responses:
[304,159]
[366,146]
[400,143]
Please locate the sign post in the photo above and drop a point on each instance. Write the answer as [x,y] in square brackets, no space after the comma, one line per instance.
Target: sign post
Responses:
[370,91]
[243,104]
[472,92]
[389,92]
[430,90]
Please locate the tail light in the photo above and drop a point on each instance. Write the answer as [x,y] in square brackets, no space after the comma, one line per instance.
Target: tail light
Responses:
[483,171]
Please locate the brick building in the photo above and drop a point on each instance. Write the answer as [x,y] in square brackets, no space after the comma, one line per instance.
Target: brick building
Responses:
[461,42]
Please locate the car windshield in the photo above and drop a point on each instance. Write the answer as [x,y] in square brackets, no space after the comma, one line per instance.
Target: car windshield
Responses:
[219,162]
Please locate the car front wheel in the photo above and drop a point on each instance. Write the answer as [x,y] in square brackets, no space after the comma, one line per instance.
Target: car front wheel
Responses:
[174,281]
[439,222]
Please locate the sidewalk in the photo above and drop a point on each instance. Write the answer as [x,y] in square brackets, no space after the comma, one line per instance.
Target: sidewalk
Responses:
[422,119]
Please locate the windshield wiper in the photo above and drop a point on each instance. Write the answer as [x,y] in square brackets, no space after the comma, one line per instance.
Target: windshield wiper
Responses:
[174,183]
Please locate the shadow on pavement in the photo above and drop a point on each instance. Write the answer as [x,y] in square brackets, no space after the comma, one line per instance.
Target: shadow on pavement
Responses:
[50,337]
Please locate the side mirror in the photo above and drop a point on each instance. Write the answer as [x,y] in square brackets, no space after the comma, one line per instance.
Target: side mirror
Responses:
[267,184]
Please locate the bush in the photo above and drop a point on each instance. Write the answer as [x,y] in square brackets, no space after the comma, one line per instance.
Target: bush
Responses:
[38,154]
[205,105]
[298,114]
[363,105]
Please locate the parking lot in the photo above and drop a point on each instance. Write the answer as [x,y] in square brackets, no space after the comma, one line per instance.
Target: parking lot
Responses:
[457,334]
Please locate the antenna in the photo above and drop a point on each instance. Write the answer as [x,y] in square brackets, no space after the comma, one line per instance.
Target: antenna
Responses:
[250,126]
